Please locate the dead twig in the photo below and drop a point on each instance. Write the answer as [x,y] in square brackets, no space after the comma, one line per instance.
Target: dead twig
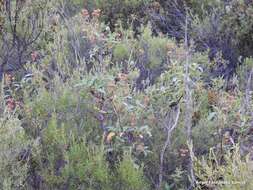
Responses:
[170,123]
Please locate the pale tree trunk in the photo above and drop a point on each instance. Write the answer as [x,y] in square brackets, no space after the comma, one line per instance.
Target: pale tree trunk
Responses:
[188,106]
[247,107]
[170,123]
[248,93]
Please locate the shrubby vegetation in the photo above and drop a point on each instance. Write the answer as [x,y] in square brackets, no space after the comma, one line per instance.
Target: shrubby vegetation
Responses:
[104,95]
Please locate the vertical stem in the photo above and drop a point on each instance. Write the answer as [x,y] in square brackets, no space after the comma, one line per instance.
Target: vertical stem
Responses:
[188,105]
[170,123]
[247,101]
[247,92]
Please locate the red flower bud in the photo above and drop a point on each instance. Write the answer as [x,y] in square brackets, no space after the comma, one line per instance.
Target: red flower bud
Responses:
[11,104]
[34,56]
[96,13]
[85,13]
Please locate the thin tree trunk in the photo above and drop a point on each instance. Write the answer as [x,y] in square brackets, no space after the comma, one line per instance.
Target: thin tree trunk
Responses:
[247,93]
[170,123]
[188,106]
[248,96]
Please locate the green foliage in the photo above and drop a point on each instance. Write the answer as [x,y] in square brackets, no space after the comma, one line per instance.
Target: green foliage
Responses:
[121,52]
[14,146]
[154,48]
[235,174]
[129,175]
[125,11]
[86,168]
[86,124]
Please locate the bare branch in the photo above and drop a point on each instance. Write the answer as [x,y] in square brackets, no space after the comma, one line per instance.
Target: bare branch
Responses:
[188,105]
[170,123]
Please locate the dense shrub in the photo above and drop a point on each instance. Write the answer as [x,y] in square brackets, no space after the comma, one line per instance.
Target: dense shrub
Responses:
[22,26]
[15,154]
[217,26]
[104,107]
[127,11]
